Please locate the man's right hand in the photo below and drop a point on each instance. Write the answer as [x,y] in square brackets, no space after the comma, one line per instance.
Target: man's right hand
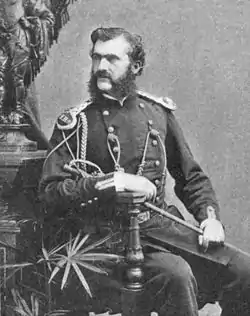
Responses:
[131,183]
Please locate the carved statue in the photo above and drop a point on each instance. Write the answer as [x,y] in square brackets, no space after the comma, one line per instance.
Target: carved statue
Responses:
[27,30]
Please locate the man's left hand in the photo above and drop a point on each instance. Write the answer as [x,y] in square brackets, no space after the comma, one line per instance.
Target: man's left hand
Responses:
[213,233]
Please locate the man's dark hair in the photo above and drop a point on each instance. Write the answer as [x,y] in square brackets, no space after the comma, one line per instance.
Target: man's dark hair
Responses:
[105,34]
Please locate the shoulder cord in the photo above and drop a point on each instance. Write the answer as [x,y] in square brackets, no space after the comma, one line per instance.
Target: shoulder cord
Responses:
[75,160]
[164,173]
[113,138]
[84,138]
[143,160]
[77,139]
[81,150]
[156,134]
[65,139]
[74,163]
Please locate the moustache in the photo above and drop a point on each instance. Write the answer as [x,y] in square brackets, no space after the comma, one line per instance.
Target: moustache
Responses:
[102,74]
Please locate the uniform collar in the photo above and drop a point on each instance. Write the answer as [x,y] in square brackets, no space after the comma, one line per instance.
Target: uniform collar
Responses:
[121,102]
[131,98]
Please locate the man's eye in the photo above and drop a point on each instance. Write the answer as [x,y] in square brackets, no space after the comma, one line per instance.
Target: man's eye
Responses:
[112,59]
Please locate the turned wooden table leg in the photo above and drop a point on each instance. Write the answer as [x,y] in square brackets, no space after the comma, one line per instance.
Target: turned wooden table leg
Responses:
[134,277]
[134,254]
[132,292]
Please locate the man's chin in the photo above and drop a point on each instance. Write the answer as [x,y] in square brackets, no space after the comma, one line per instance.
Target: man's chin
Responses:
[104,84]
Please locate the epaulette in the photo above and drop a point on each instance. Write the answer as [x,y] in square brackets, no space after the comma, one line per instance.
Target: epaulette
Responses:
[163,101]
[68,119]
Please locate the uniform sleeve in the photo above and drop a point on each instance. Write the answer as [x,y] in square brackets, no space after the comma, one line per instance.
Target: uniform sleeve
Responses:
[192,185]
[60,189]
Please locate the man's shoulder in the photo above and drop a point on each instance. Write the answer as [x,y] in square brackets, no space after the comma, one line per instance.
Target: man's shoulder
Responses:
[165,102]
[68,118]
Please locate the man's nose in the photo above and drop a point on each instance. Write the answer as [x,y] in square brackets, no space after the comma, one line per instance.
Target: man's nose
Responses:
[104,64]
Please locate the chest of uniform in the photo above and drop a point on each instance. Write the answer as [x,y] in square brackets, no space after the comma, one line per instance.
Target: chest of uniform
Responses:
[126,131]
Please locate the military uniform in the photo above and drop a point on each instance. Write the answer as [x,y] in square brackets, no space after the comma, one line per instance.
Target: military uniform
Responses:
[141,136]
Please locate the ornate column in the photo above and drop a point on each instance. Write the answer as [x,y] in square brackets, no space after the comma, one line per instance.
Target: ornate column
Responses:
[27,30]
[20,159]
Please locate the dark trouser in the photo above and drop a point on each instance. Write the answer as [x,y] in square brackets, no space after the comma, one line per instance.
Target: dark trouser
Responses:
[235,296]
[176,283]
[176,287]
[185,281]
[171,285]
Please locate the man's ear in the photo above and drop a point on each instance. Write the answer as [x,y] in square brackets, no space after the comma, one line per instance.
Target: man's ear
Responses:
[136,67]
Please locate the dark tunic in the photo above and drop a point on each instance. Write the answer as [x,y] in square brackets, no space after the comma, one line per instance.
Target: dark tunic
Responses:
[130,123]
[130,132]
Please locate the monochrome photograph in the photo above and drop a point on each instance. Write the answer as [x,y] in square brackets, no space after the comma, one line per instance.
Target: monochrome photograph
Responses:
[124,158]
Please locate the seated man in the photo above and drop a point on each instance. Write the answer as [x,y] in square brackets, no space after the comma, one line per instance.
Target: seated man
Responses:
[125,140]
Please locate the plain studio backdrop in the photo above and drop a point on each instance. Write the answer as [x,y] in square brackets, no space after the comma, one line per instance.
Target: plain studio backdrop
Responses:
[198,53]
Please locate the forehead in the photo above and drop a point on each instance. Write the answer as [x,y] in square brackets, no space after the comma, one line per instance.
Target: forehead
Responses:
[117,46]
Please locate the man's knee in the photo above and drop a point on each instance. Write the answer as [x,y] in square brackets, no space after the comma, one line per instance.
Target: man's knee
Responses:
[173,268]
[237,273]
[182,275]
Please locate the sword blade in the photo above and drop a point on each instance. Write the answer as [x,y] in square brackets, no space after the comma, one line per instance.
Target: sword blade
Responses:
[173,217]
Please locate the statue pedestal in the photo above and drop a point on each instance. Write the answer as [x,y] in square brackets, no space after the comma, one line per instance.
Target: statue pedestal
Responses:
[12,138]
[20,169]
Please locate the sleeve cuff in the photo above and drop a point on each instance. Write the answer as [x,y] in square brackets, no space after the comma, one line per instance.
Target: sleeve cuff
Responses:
[105,182]
[114,180]
[208,212]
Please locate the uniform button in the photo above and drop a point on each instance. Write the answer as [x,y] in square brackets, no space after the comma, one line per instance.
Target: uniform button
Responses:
[154,142]
[105,113]
[154,133]
[115,149]
[157,199]
[90,202]
[95,198]
[157,182]
[111,129]
[157,163]
[141,105]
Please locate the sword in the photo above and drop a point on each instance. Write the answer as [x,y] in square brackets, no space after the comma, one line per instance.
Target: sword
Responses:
[174,218]
[225,251]
[222,254]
